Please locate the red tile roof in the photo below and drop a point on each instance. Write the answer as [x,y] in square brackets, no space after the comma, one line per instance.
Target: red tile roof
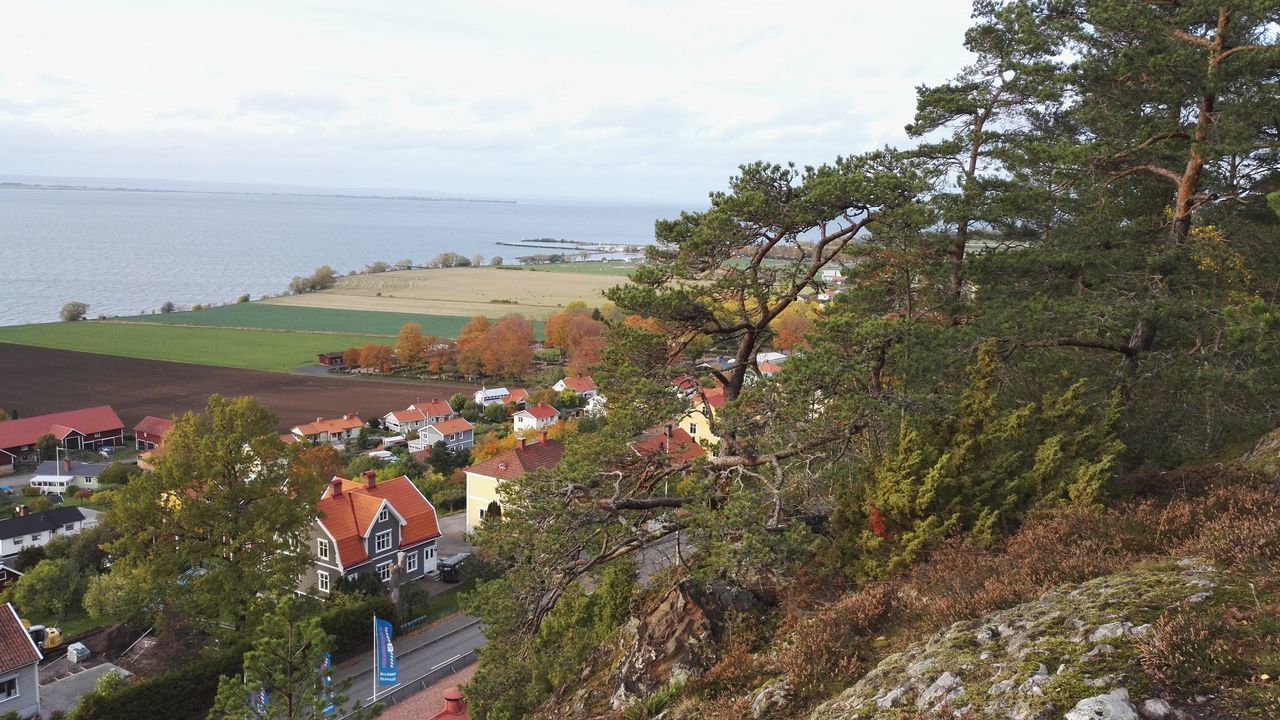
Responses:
[289,438]
[518,395]
[541,411]
[452,425]
[16,648]
[26,431]
[152,425]
[520,460]
[333,426]
[713,397]
[349,514]
[685,382]
[580,383]
[680,447]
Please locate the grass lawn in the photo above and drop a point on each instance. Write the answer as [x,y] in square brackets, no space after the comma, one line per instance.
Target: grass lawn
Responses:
[250,349]
[619,269]
[264,316]
[78,622]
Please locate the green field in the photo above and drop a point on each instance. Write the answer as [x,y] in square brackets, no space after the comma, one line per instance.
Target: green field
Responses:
[252,349]
[263,316]
[620,269]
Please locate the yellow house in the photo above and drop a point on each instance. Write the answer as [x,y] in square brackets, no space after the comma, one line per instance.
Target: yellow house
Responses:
[484,479]
[702,410]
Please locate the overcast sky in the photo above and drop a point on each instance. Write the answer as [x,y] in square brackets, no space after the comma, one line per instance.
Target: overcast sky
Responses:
[648,100]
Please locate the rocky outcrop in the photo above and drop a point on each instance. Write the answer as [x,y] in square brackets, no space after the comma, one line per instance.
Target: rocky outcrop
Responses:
[1070,654]
[671,640]
[1264,457]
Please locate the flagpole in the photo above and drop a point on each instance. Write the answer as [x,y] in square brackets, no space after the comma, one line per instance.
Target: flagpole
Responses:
[375,658]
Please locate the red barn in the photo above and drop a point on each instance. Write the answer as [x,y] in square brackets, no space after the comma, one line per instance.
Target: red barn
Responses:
[87,429]
[149,433]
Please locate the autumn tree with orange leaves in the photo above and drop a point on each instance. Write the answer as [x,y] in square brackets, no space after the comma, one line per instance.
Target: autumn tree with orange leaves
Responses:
[471,345]
[351,357]
[411,345]
[376,357]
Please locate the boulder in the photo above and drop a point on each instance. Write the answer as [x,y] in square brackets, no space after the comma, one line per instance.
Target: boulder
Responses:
[1114,705]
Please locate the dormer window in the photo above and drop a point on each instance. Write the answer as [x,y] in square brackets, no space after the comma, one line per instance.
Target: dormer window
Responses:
[322,549]
[382,541]
[384,515]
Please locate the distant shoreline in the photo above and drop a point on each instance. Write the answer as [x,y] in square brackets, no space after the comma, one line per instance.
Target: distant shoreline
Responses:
[99,188]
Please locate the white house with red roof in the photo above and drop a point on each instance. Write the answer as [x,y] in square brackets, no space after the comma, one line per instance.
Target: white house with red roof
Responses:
[87,429]
[581,385]
[485,479]
[533,419]
[19,667]
[334,431]
[418,416]
[366,527]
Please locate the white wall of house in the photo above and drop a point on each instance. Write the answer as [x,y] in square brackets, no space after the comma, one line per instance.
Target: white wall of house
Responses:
[525,421]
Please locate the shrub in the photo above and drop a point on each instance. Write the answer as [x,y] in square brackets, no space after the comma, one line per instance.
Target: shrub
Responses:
[168,307]
[183,693]
[347,620]
[1187,651]
[823,648]
[242,299]
[73,311]
[1240,529]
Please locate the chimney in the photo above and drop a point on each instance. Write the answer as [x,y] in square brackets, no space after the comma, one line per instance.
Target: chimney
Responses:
[319,419]
[66,466]
[370,479]
[669,431]
[22,511]
[454,703]
[335,486]
[520,443]
[542,436]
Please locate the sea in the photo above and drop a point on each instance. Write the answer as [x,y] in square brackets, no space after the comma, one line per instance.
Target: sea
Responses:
[126,252]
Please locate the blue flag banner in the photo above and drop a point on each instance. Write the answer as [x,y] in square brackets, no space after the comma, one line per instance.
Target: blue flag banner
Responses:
[386,653]
[326,682]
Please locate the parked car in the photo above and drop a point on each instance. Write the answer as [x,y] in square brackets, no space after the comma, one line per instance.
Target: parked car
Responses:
[451,567]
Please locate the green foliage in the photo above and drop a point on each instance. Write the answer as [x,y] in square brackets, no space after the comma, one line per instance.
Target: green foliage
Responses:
[346,617]
[118,474]
[284,660]
[224,518]
[73,311]
[185,693]
[47,447]
[976,472]
[52,588]
[514,677]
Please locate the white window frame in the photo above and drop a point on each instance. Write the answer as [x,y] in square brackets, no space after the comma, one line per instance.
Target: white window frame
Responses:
[35,537]
[16,690]
[411,561]
[69,527]
[322,548]
[384,571]
[384,515]
[428,553]
[378,545]
[693,428]
[322,581]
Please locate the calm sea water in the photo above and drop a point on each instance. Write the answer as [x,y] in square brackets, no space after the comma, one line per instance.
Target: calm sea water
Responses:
[125,253]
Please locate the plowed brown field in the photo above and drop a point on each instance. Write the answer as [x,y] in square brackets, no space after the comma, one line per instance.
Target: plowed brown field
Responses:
[34,381]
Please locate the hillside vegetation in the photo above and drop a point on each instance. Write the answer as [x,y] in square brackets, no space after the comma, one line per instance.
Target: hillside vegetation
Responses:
[1065,290]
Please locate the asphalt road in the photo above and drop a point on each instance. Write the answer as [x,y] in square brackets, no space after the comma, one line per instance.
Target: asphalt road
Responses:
[416,655]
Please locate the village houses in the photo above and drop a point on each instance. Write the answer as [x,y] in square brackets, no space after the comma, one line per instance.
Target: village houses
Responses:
[418,416]
[88,429]
[335,431]
[19,667]
[536,418]
[484,479]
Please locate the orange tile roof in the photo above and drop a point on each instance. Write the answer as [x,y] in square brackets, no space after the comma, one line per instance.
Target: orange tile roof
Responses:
[16,648]
[713,397]
[435,408]
[580,383]
[332,426]
[409,415]
[541,411]
[348,515]
[518,395]
[516,462]
[452,425]
[681,447]
[770,367]
[289,438]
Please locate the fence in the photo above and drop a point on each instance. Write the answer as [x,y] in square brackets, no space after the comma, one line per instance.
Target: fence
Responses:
[435,674]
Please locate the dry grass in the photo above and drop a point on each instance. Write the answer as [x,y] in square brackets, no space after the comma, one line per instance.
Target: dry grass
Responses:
[464,292]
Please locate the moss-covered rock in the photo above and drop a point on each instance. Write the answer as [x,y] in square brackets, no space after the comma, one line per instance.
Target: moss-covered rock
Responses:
[1035,660]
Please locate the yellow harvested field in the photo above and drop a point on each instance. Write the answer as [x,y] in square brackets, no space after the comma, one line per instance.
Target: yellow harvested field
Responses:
[464,292]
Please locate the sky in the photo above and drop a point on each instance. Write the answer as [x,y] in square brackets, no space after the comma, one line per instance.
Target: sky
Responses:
[636,100]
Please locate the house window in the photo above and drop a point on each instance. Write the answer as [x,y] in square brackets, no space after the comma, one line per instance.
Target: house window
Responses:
[35,537]
[384,571]
[429,553]
[693,428]
[411,562]
[17,541]
[322,581]
[382,516]
[382,541]
[9,688]
[322,549]
[69,527]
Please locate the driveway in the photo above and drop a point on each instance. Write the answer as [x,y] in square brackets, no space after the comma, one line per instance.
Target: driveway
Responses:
[61,695]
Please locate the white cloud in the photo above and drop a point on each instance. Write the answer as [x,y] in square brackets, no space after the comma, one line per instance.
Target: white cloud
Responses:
[643,100]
